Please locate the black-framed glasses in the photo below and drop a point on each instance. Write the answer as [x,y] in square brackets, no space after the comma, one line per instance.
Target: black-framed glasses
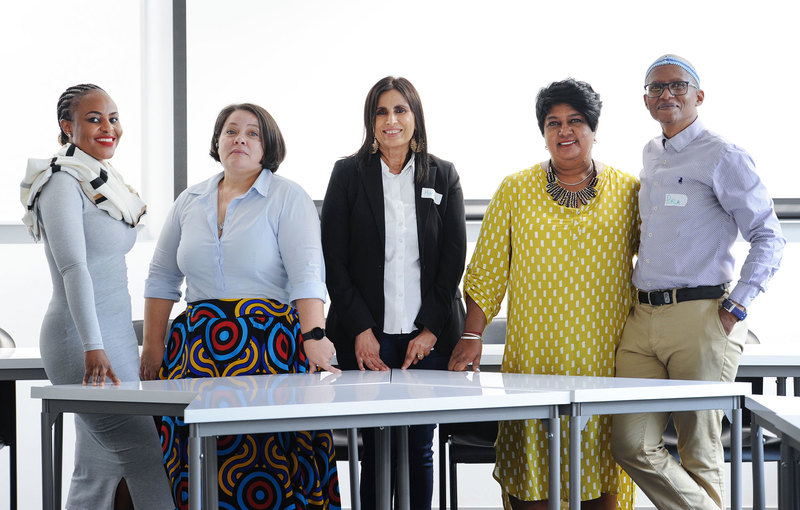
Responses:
[676,88]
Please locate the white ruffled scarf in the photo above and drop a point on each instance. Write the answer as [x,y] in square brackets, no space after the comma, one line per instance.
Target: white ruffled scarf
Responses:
[101,182]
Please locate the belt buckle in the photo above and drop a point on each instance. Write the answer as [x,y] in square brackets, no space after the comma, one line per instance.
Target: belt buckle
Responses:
[667,297]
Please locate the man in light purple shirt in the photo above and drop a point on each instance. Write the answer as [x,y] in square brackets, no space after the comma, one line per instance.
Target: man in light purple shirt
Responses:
[698,192]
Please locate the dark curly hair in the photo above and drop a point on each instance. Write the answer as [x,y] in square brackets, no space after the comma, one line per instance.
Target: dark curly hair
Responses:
[577,94]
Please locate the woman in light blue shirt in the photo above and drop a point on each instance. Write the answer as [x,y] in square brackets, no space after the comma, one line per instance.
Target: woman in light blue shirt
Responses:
[247,243]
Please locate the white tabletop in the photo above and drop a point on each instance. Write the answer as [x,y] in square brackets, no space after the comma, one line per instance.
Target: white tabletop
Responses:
[21,363]
[758,360]
[778,414]
[582,389]
[20,357]
[358,394]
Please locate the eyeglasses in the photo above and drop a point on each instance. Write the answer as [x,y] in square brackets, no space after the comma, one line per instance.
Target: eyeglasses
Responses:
[676,88]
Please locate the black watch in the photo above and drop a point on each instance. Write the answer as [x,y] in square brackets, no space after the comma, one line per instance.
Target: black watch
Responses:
[314,334]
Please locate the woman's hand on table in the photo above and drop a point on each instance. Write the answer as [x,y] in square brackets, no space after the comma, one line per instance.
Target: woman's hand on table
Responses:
[97,367]
[418,348]
[150,362]
[467,351]
[368,352]
[320,353]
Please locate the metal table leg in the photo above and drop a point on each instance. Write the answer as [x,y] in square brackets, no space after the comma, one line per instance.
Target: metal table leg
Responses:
[574,462]
[757,452]
[383,457]
[48,502]
[195,469]
[210,472]
[554,488]
[58,447]
[736,458]
[352,454]
[403,485]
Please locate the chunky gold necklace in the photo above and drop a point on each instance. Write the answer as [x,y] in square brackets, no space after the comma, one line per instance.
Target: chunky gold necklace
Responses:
[567,198]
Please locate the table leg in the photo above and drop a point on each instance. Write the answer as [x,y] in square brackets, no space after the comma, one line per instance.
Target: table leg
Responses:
[47,459]
[736,459]
[785,482]
[554,488]
[210,472]
[58,458]
[757,453]
[8,396]
[383,457]
[352,454]
[195,469]
[574,462]
[403,487]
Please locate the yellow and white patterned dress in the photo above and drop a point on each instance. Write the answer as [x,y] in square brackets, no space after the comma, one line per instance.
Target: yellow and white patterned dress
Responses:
[568,277]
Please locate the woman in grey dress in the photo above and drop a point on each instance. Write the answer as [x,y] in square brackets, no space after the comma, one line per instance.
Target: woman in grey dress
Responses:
[85,213]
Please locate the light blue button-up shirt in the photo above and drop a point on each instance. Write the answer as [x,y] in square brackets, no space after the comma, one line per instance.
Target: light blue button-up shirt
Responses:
[270,245]
[697,191]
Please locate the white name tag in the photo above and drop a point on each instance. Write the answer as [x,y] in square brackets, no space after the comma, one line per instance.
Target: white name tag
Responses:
[675,200]
[431,193]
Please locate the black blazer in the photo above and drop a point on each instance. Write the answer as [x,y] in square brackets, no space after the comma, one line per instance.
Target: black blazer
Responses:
[353,239]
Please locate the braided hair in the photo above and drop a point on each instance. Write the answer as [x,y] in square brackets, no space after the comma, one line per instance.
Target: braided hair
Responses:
[67,103]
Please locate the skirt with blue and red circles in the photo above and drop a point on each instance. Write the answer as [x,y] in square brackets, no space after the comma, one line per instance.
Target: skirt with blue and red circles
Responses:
[230,337]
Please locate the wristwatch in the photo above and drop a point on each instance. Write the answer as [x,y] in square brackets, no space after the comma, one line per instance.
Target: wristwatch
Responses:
[733,308]
[314,334]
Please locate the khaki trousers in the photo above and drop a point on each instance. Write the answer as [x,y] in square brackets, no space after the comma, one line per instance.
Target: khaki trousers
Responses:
[677,341]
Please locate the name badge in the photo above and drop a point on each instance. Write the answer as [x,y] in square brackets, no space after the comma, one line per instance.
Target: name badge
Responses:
[675,200]
[431,193]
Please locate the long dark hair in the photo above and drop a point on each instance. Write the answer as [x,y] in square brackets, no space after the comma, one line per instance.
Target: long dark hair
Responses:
[409,93]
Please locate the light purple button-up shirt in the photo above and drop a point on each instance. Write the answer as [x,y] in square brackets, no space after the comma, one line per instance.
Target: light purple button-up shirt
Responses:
[270,245]
[697,191]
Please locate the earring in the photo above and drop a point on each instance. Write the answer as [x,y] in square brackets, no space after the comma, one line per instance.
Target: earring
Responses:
[414,146]
[546,147]
[375,146]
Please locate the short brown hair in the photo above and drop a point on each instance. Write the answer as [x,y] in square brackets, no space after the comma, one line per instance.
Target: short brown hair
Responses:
[271,138]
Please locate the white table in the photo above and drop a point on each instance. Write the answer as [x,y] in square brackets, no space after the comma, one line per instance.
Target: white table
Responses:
[253,404]
[781,415]
[772,360]
[354,399]
[148,398]
[758,360]
[17,364]
[312,401]
[591,396]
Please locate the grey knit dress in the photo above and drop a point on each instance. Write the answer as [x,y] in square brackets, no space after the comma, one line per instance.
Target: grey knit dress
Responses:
[90,309]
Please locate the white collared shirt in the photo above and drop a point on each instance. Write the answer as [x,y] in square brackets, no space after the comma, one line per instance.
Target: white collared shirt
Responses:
[401,271]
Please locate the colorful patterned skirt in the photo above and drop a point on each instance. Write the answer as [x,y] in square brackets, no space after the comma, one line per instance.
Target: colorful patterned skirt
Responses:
[229,337]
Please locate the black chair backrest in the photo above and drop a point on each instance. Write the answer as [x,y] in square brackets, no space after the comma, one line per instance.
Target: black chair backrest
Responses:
[495,332]
[138,328]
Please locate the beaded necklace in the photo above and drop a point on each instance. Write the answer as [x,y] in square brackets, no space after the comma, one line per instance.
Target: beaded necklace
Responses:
[567,198]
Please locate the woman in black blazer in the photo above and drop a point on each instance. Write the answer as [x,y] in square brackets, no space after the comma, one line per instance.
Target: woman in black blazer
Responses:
[394,240]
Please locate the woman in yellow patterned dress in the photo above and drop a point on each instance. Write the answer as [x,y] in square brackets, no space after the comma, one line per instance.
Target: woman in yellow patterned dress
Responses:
[559,237]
